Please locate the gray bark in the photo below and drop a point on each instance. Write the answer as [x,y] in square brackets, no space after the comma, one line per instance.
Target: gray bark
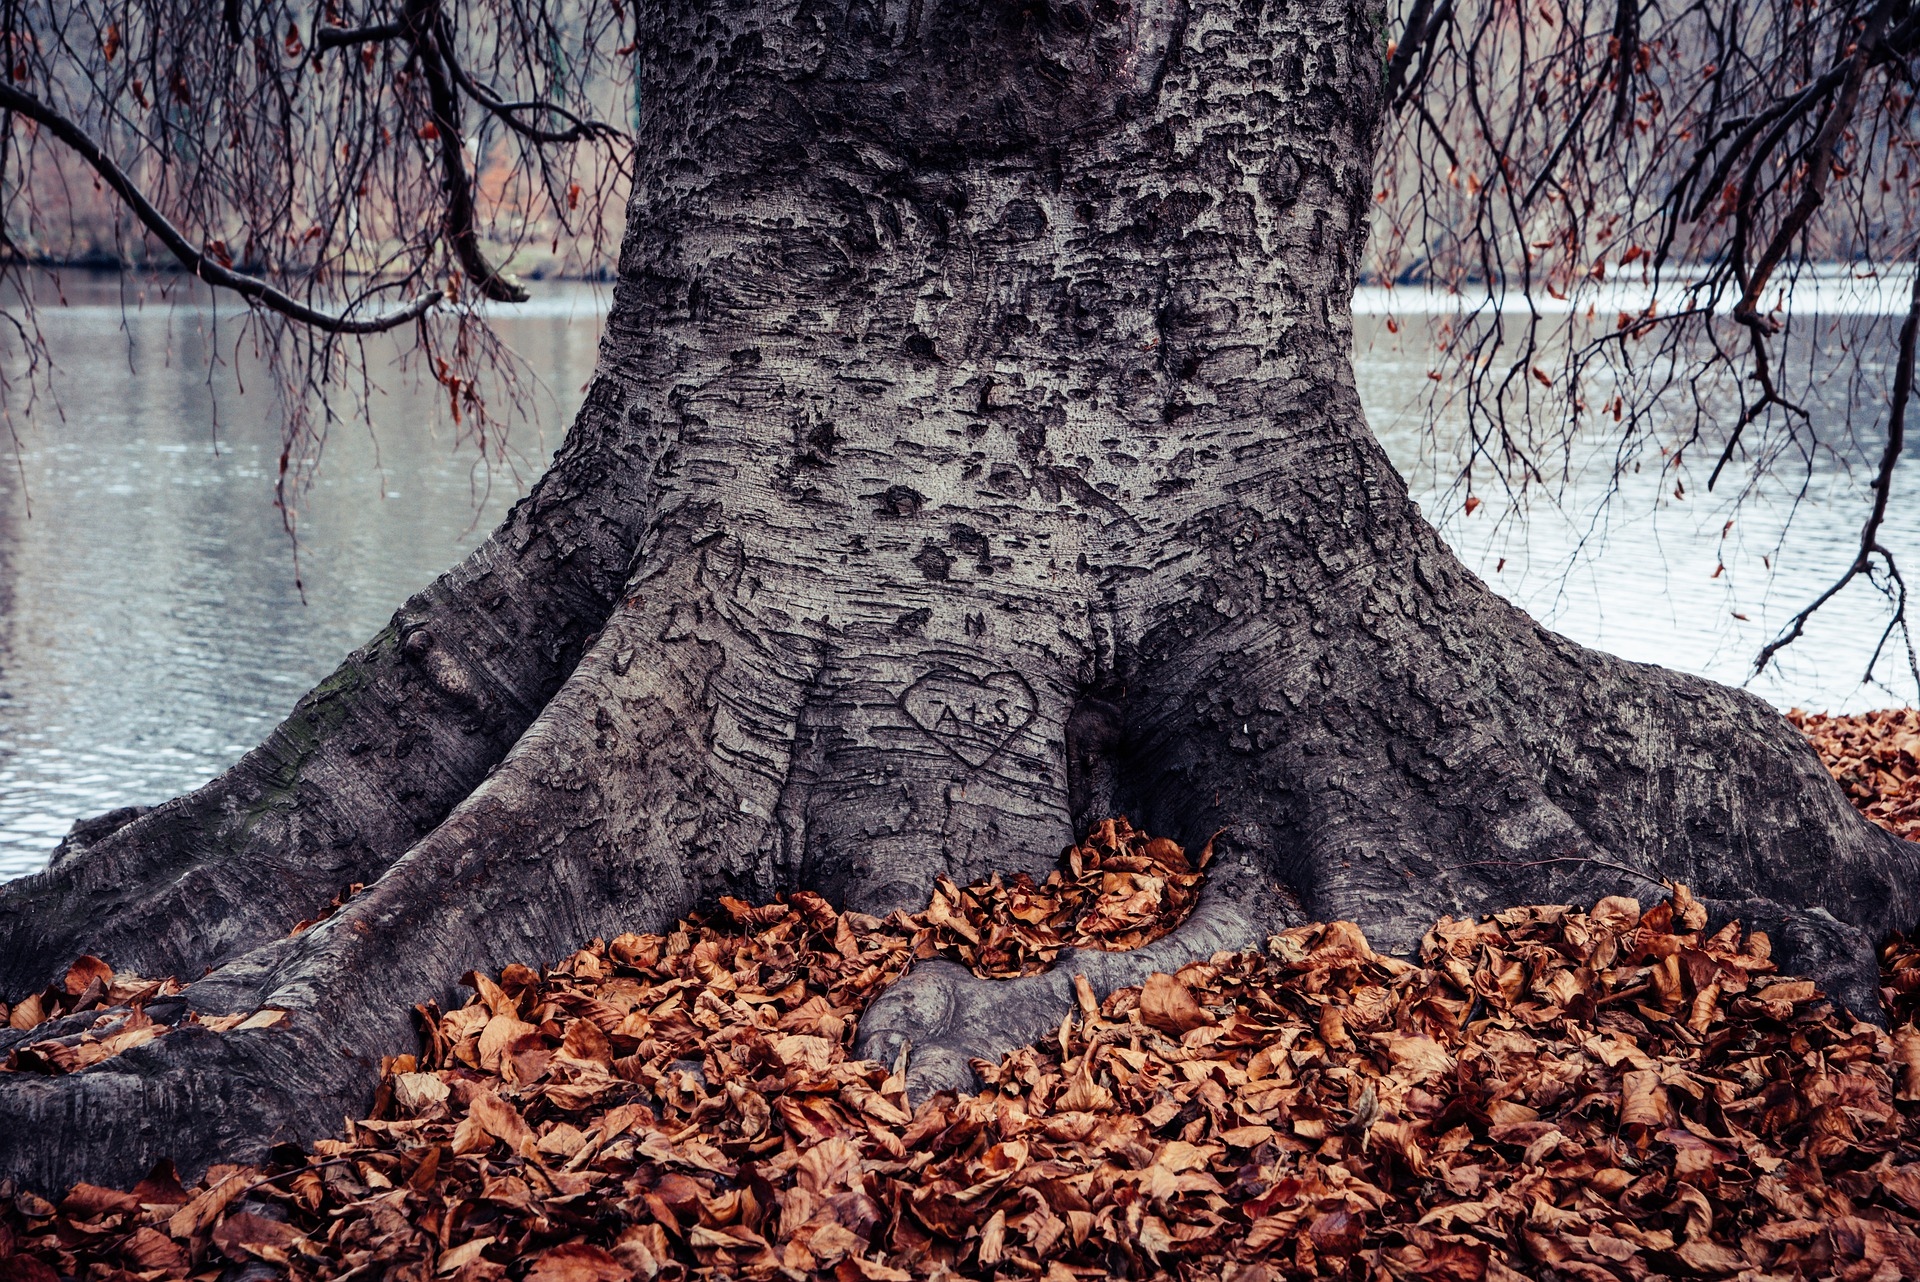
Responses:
[975,453]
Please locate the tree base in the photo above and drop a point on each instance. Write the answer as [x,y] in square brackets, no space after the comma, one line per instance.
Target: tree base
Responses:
[658,1105]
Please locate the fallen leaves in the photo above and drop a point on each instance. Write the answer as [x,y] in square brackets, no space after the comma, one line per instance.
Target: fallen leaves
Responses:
[1167,1004]
[1527,1097]
[1618,1094]
[1116,890]
[1876,758]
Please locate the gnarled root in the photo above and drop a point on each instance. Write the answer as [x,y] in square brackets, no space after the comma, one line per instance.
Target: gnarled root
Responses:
[945,1017]
[1463,760]
[1842,959]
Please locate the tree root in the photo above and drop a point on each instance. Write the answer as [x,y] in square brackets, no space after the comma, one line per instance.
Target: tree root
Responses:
[193,1096]
[366,764]
[1842,959]
[944,1017]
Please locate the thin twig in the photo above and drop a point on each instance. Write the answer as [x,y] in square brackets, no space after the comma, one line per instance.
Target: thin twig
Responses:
[1870,545]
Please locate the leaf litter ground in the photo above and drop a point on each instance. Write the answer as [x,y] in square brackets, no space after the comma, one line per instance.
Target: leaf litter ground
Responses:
[1545,1093]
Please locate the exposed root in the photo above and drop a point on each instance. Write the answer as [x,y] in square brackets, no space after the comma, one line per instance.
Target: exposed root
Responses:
[545,853]
[945,1018]
[1632,1093]
[367,763]
[1840,958]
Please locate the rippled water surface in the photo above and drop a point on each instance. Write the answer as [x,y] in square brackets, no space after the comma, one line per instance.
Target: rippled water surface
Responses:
[150,626]
[151,629]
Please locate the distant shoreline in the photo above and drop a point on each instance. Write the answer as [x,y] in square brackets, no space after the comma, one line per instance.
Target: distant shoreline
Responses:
[1827,289]
[103,263]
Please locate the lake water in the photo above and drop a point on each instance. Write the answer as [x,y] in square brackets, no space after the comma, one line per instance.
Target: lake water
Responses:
[151,629]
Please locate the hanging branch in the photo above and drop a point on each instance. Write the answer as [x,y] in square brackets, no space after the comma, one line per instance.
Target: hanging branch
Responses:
[252,288]
[1870,544]
[286,167]
[1820,159]
[423,33]
[1737,149]
[325,38]
[579,128]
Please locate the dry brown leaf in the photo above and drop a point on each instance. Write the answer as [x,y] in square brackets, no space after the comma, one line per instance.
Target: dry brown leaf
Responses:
[577,1262]
[502,1121]
[1643,1100]
[243,1236]
[27,1013]
[1167,1004]
[197,1215]
[1906,1058]
[456,1258]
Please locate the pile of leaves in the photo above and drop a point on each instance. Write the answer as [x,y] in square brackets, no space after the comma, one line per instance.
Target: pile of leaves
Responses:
[1613,1094]
[1116,890]
[1610,1094]
[1876,758]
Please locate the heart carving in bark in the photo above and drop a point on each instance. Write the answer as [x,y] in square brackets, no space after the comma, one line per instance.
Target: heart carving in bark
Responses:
[971,717]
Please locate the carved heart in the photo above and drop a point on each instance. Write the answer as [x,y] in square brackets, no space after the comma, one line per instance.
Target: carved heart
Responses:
[971,717]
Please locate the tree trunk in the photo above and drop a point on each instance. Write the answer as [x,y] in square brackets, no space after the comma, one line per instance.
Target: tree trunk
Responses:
[975,452]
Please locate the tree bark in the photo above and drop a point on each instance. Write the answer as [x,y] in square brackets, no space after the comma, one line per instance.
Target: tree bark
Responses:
[975,453]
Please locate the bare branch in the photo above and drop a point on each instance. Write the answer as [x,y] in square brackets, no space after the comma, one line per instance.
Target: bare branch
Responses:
[1614,262]
[423,30]
[1870,545]
[580,129]
[195,260]
[1413,38]
[1417,39]
[1819,163]
[325,38]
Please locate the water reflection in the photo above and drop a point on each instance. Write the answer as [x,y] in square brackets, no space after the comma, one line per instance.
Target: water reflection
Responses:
[1683,577]
[151,631]
[150,627]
